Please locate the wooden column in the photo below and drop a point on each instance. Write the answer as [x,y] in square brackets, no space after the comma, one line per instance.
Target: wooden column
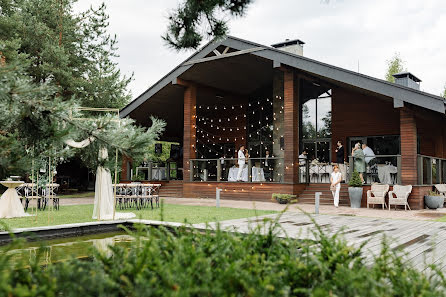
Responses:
[189,137]
[291,127]
[408,134]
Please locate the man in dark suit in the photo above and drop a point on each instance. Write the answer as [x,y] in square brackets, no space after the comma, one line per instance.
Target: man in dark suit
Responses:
[340,157]
[339,153]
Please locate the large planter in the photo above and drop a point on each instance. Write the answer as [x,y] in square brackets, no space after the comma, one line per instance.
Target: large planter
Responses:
[355,195]
[434,202]
[282,200]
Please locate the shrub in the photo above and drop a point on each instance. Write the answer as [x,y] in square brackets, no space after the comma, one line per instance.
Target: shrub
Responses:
[216,263]
[283,198]
[355,180]
[433,193]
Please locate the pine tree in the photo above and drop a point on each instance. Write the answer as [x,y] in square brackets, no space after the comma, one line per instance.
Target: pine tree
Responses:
[51,62]
[193,17]
[72,51]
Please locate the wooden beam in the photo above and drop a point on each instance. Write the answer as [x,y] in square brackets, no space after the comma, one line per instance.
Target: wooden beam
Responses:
[398,103]
[237,53]
[180,82]
[216,52]
[226,50]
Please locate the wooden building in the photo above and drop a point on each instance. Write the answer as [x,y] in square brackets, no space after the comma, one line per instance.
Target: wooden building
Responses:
[235,92]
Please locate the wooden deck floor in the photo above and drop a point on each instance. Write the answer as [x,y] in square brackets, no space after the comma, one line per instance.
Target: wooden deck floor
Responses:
[422,241]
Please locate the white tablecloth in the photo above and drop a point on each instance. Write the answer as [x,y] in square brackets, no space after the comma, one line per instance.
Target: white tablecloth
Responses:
[258,174]
[319,171]
[10,206]
[384,173]
[159,173]
[233,171]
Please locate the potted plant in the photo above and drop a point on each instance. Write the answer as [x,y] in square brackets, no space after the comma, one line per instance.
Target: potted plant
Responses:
[434,200]
[355,190]
[283,198]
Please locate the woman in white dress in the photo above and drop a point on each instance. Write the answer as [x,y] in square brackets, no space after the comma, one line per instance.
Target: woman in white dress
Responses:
[335,186]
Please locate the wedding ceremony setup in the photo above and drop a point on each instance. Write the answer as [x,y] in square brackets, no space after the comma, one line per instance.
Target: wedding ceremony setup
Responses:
[168,149]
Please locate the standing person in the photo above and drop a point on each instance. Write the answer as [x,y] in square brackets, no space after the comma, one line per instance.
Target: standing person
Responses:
[241,162]
[369,155]
[335,185]
[303,158]
[266,158]
[340,153]
[359,161]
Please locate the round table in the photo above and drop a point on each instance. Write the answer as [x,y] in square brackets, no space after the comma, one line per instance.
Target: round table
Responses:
[10,205]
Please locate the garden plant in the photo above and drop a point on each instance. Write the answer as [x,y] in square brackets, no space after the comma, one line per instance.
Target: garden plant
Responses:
[214,262]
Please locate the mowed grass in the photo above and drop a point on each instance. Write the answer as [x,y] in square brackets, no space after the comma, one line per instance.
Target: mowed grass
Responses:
[171,213]
[442,219]
[78,195]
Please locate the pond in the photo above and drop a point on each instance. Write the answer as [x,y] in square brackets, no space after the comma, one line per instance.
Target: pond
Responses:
[57,250]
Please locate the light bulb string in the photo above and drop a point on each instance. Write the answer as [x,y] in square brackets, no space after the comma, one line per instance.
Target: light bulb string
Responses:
[202,131]
[237,106]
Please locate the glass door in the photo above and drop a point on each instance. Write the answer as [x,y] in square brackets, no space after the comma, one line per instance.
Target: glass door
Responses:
[353,140]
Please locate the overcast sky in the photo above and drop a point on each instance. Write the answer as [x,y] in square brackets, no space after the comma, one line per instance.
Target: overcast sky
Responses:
[340,33]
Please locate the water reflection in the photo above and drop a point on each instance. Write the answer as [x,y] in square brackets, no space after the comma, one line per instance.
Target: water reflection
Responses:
[63,249]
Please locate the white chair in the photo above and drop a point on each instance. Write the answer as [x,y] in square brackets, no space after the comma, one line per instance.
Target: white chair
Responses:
[441,188]
[377,195]
[401,195]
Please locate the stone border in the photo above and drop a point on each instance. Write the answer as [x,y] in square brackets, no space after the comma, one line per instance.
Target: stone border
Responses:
[78,229]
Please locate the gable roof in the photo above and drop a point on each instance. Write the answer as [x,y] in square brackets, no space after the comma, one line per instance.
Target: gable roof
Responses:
[399,93]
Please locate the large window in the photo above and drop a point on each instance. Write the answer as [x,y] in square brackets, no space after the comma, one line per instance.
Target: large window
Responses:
[315,125]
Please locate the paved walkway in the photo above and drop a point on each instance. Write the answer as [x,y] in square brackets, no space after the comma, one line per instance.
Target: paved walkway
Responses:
[424,214]
[423,242]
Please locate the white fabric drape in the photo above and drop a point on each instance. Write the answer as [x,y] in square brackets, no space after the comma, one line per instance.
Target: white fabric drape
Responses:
[10,206]
[103,195]
[79,144]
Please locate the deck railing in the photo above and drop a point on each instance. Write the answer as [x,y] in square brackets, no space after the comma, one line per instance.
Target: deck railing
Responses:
[265,170]
[154,171]
[431,170]
[384,169]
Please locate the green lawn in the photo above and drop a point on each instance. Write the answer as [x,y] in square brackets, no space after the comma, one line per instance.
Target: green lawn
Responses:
[172,213]
[442,219]
[78,195]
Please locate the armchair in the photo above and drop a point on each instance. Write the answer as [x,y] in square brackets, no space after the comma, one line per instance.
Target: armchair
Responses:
[401,195]
[377,195]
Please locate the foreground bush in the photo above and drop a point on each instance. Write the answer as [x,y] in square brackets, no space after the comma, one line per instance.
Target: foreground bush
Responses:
[217,263]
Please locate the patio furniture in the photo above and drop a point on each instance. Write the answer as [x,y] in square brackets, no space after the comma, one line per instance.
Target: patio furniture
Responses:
[385,173]
[258,175]
[401,195]
[30,192]
[136,195]
[49,193]
[441,188]
[148,193]
[377,195]
[10,206]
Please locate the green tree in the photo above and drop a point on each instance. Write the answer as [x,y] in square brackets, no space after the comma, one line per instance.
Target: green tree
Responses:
[194,20]
[51,63]
[394,65]
[73,51]
[444,91]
